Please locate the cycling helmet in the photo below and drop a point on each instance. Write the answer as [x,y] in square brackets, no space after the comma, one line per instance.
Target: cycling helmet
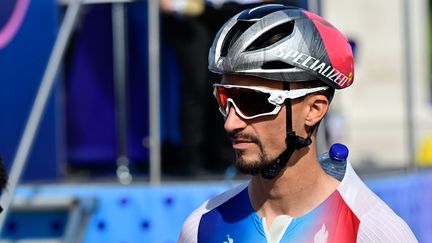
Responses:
[283,43]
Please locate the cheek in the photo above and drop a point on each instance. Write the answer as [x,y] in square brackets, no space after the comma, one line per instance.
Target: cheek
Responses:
[279,132]
[272,134]
[279,139]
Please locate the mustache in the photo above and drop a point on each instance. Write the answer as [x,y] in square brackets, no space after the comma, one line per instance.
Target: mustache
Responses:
[245,136]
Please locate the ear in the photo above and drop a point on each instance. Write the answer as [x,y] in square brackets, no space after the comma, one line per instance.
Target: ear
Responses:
[317,107]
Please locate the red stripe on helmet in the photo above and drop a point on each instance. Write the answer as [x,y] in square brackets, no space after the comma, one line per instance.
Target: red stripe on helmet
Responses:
[338,49]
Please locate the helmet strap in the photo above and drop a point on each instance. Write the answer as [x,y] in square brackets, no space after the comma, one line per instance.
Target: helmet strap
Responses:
[292,141]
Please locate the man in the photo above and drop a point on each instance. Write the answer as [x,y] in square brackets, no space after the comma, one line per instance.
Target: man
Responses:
[280,68]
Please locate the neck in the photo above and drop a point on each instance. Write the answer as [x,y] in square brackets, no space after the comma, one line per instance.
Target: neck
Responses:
[301,187]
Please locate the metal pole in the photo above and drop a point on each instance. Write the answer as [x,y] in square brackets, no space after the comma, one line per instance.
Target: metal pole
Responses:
[321,145]
[314,6]
[39,105]
[154,80]
[408,84]
[120,58]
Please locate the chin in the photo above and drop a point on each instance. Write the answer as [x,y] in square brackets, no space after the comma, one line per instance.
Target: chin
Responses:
[249,165]
[245,158]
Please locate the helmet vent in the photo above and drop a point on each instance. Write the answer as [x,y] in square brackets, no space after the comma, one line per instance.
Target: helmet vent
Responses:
[276,65]
[272,36]
[261,11]
[234,34]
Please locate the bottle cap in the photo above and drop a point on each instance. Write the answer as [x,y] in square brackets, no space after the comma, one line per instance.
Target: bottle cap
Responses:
[338,152]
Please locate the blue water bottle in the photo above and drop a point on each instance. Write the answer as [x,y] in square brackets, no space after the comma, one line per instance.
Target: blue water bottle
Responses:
[334,162]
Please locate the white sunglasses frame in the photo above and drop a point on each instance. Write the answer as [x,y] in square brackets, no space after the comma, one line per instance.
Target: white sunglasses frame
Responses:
[277,97]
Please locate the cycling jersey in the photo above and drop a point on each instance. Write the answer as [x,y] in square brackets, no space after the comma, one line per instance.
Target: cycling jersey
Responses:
[352,213]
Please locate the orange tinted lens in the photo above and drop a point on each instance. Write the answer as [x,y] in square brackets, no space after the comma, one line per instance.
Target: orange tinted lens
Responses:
[221,97]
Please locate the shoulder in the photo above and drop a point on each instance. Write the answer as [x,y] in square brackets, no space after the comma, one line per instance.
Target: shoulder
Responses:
[378,222]
[189,230]
[381,224]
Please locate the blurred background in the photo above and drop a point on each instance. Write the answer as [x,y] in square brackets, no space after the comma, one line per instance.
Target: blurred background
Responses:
[110,133]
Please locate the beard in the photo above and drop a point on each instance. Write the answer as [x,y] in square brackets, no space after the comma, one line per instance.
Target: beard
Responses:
[254,167]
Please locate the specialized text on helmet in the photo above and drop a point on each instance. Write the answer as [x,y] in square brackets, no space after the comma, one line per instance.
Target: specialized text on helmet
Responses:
[314,64]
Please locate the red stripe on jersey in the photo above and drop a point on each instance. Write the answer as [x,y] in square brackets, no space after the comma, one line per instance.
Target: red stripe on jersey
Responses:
[341,222]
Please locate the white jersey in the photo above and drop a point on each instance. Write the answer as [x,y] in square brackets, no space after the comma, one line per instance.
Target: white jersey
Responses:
[353,213]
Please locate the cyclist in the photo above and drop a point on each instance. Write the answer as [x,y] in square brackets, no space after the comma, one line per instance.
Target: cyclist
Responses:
[280,67]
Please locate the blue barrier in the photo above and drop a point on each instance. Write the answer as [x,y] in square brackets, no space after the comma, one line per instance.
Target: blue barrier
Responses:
[410,197]
[123,213]
[141,213]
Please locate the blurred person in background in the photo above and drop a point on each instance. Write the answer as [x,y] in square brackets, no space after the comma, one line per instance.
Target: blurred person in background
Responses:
[188,28]
[281,66]
[188,38]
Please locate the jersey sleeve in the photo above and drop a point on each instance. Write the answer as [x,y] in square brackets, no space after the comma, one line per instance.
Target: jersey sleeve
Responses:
[381,224]
[378,222]
[189,232]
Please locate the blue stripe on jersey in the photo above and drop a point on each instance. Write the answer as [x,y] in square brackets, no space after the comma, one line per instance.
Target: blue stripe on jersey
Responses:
[233,220]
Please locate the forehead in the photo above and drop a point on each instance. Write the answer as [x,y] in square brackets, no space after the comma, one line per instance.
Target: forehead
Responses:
[246,80]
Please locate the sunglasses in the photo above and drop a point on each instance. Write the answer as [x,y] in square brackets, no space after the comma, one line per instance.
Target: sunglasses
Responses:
[252,102]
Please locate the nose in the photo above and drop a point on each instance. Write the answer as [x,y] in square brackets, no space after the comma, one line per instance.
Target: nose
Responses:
[233,121]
